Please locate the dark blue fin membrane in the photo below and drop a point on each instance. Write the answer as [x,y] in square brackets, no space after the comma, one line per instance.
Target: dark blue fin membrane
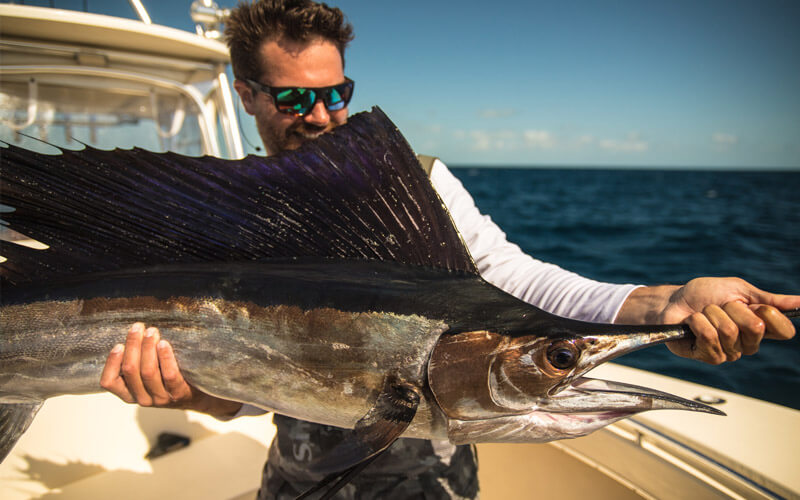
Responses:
[356,193]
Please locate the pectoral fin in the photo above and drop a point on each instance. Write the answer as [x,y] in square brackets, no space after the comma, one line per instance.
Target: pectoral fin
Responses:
[374,433]
[14,420]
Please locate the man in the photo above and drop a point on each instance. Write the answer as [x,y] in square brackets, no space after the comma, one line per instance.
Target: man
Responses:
[288,60]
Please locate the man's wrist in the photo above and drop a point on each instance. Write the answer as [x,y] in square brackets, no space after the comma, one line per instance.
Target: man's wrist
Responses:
[646,305]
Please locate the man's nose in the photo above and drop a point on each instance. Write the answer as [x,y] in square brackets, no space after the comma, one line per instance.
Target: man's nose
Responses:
[319,115]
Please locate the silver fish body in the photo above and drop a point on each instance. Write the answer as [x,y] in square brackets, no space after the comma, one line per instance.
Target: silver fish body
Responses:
[317,363]
[312,340]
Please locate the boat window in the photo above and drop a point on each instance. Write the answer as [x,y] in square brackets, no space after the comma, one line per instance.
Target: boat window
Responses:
[69,111]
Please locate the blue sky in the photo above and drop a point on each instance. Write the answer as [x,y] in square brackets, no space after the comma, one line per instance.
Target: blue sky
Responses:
[608,83]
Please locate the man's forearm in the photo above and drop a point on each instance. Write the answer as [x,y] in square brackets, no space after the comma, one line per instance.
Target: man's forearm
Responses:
[645,305]
[222,409]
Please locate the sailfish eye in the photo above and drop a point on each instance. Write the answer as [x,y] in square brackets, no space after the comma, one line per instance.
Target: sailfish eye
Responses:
[562,355]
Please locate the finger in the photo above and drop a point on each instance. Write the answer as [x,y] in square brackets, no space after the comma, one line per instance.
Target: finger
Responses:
[110,378]
[150,370]
[778,326]
[782,302]
[751,327]
[132,363]
[176,386]
[683,348]
[706,347]
[727,331]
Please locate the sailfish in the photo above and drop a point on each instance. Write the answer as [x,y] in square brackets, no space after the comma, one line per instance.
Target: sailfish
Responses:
[327,283]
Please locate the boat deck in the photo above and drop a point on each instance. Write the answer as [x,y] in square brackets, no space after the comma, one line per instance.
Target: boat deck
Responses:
[86,447]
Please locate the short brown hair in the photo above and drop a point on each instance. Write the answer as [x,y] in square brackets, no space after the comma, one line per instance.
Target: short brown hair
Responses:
[252,24]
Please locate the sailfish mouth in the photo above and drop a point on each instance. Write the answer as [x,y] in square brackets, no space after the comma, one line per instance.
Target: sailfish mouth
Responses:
[582,407]
[580,394]
[588,395]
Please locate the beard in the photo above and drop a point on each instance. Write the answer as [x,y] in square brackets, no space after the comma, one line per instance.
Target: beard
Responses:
[292,137]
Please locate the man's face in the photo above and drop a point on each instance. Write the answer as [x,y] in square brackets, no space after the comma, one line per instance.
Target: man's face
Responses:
[291,64]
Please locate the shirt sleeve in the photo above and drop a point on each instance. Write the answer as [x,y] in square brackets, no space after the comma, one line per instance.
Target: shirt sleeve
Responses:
[506,266]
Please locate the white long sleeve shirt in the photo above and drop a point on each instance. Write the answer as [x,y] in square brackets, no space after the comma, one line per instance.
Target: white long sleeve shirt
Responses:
[506,266]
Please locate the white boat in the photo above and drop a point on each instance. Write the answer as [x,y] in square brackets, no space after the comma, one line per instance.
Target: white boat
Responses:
[113,82]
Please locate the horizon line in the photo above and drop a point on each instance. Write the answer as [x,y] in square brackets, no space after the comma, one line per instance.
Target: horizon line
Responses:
[696,168]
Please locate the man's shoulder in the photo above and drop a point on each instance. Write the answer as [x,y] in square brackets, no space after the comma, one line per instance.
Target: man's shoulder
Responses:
[427,162]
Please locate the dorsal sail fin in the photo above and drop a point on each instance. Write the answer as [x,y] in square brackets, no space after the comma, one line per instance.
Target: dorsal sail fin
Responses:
[356,193]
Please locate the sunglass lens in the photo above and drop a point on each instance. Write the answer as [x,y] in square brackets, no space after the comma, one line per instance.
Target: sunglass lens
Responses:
[335,100]
[345,91]
[296,101]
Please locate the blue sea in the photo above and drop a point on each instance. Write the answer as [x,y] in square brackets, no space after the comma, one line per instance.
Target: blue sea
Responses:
[655,227]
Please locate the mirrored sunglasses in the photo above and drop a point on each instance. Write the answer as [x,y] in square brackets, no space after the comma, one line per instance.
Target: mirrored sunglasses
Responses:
[299,101]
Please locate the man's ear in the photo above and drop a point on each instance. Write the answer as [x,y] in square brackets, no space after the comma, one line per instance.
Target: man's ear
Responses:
[246,95]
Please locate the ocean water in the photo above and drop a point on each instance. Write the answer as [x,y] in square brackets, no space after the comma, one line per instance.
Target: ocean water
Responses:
[655,227]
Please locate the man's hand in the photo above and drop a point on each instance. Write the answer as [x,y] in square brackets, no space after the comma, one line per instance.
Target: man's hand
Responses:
[729,316]
[145,371]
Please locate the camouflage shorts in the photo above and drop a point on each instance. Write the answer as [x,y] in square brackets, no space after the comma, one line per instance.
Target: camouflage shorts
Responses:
[410,468]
